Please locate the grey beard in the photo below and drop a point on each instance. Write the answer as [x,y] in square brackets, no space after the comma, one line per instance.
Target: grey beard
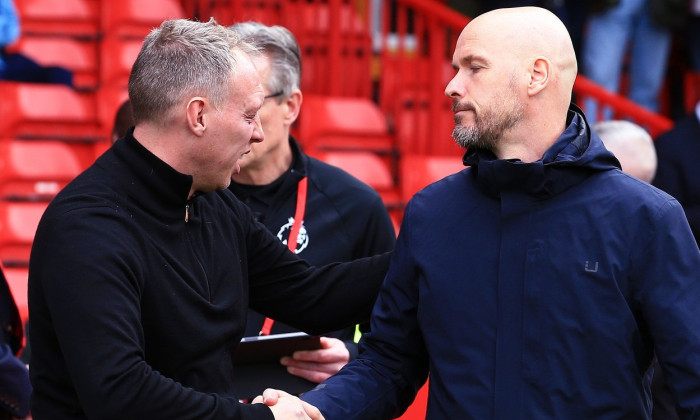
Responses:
[486,131]
[466,137]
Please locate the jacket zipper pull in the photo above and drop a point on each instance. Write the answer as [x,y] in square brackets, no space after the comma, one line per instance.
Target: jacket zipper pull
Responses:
[187,213]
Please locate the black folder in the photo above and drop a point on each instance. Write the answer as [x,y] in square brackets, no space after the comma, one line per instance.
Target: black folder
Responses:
[256,364]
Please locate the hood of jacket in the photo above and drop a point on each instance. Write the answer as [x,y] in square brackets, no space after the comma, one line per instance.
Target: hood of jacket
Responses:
[575,155]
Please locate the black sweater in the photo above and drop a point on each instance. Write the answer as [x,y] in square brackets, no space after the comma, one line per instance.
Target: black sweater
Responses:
[135,309]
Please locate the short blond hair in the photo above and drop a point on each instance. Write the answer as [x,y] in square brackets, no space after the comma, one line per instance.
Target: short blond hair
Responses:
[181,59]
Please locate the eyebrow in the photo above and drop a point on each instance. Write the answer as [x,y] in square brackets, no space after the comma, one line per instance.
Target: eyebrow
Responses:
[469,59]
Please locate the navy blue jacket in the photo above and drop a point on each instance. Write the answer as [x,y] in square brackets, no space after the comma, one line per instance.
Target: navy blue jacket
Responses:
[531,291]
[678,173]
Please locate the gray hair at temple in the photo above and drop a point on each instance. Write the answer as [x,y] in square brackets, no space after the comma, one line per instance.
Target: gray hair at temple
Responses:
[282,49]
[632,145]
[182,59]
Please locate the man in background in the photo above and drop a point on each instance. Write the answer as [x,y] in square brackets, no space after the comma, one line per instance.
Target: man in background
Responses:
[632,146]
[337,217]
[678,174]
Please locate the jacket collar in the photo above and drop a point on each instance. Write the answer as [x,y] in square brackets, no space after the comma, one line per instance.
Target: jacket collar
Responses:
[573,157]
[149,176]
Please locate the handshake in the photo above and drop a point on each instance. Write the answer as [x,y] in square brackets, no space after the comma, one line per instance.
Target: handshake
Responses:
[285,406]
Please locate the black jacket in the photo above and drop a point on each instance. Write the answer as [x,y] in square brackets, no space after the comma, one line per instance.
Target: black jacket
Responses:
[678,151]
[135,310]
[345,219]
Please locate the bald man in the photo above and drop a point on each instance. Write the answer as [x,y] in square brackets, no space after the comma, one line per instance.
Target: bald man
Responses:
[536,283]
[632,146]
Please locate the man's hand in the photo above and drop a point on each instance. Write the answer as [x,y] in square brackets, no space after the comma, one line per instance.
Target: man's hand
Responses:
[318,365]
[287,407]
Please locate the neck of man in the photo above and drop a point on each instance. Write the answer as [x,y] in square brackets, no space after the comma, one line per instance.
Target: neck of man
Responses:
[266,169]
[529,142]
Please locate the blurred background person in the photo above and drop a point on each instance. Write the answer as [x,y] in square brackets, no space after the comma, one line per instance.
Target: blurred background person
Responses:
[15,388]
[633,32]
[632,145]
[341,218]
[18,67]
[678,174]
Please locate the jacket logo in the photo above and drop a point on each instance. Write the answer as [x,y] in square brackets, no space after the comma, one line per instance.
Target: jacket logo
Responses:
[302,238]
[591,269]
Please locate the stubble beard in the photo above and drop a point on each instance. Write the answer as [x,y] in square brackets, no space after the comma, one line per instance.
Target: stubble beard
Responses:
[488,126]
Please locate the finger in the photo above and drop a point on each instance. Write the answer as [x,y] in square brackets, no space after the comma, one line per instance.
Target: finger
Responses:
[313,355]
[271,396]
[332,355]
[312,411]
[321,367]
[258,399]
[314,376]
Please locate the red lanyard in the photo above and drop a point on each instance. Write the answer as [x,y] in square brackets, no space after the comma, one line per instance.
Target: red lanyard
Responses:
[293,236]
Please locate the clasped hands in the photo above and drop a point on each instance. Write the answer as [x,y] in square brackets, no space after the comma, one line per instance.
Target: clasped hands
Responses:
[287,407]
[313,365]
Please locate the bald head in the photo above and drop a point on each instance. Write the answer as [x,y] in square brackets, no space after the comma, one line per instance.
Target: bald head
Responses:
[529,33]
[515,73]
[632,145]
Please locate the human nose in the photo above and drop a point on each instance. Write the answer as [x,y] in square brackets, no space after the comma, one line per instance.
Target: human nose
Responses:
[258,133]
[452,89]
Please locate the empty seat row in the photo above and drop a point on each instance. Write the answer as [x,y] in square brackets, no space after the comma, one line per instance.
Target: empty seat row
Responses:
[95,18]
[97,40]
[33,110]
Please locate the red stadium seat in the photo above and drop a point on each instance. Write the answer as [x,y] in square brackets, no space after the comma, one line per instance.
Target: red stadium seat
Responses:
[340,123]
[35,170]
[76,55]
[418,171]
[110,99]
[36,111]
[136,18]
[117,56]
[369,168]
[18,222]
[78,18]
[17,279]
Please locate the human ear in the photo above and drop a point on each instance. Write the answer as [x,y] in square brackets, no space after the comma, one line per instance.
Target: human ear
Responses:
[539,76]
[196,115]
[293,102]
